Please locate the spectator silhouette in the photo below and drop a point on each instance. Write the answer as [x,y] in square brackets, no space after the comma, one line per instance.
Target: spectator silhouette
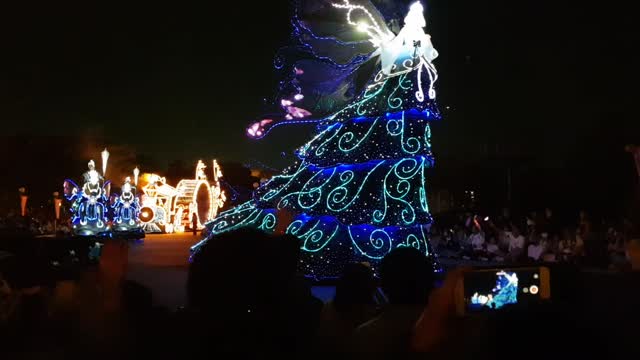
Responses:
[144,324]
[537,330]
[352,305]
[407,279]
[194,224]
[527,332]
[595,246]
[243,295]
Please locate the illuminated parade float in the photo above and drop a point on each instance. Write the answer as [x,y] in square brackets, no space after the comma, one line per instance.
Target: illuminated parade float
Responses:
[156,205]
[161,208]
[89,202]
[172,209]
[126,211]
[359,188]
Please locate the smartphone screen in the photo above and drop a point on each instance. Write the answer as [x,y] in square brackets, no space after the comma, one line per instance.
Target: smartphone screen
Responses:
[493,289]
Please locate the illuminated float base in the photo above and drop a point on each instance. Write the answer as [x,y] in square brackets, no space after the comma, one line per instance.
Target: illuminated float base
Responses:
[327,244]
[136,234]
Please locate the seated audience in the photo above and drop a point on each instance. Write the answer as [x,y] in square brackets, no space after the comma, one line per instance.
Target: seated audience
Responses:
[493,250]
[536,249]
[477,239]
[516,244]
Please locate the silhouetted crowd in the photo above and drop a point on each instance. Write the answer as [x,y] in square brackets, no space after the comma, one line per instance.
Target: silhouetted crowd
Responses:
[34,225]
[245,296]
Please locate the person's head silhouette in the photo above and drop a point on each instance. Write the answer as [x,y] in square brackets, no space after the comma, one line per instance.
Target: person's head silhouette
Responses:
[355,287]
[406,276]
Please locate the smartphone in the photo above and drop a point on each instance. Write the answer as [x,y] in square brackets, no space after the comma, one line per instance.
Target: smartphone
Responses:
[491,289]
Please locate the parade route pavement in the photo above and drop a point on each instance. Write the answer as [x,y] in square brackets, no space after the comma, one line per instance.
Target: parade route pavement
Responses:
[161,263]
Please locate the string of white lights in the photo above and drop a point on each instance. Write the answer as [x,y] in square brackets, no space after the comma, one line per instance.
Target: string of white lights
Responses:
[363,26]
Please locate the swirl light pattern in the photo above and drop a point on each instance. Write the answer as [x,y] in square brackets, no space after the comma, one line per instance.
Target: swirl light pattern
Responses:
[359,188]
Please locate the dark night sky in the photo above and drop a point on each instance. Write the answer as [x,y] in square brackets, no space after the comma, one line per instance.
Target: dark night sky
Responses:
[183,80]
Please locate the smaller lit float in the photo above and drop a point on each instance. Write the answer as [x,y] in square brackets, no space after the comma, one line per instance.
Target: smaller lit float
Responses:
[89,201]
[126,211]
[168,209]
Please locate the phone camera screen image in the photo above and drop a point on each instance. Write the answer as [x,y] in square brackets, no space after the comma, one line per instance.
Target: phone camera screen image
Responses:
[497,288]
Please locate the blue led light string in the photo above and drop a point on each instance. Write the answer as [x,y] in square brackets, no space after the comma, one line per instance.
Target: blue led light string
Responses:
[307,190]
[347,137]
[221,223]
[362,141]
[396,102]
[268,222]
[376,241]
[320,150]
[423,191]
[274,192]
[365,98]
[338,194]
[427,136]
[314,238]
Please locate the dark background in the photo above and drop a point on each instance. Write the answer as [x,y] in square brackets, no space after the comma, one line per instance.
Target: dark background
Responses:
[538,89]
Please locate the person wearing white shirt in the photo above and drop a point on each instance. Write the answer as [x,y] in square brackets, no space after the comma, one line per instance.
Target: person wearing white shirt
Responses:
[477,239]
[504,238]
[534,251]
[539,247]
[516,243]
[492,247]
[493,250]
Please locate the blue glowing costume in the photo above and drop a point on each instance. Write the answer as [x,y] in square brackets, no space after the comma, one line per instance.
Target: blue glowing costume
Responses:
[88,204]
[126,211]
[359,188]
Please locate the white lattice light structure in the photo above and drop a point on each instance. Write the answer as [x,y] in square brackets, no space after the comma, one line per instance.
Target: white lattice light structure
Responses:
[217,194]
[198,197]
[174,208]
[156,207]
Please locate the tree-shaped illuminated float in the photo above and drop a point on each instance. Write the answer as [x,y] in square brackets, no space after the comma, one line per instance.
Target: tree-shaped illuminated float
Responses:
[358,189]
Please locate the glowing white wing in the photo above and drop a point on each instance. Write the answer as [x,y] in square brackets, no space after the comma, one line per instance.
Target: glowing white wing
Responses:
[410,42]
[366,22]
